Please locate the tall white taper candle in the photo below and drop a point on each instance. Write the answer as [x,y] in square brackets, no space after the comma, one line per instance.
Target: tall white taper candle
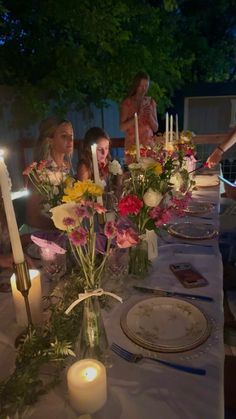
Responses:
[167,131]
[97,179]
[171,129]
[5,184]
[137,136]
[176,127]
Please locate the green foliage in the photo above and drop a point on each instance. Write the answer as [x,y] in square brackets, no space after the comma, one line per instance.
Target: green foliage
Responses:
[71,53]
[42,354]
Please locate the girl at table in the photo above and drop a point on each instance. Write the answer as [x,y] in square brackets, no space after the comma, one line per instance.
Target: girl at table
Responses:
[145,107]
[55,145]
[98,136]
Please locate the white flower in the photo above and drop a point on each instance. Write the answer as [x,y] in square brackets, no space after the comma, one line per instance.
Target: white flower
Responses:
[63,211]
[115,168]
[146,162]
[152,198]
[177,181]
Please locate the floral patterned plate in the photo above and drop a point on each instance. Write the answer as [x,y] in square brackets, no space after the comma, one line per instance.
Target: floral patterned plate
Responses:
[199,208]
[192,231]
[165,324]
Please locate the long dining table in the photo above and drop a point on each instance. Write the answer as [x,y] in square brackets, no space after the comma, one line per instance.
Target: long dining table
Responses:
[147,388]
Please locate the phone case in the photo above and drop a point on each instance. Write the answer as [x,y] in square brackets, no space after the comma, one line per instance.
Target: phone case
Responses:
[188,275]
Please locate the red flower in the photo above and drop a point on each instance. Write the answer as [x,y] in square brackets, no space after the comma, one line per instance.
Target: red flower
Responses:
[130,205]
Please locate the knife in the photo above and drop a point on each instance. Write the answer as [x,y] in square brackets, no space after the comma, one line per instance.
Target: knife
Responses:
[173,294]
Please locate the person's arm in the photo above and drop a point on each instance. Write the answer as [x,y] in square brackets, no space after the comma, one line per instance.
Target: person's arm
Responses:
[83,172]
[34,214]
[217,154]
[126,121]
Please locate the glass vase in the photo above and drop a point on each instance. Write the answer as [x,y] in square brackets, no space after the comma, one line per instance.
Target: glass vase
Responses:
[93,342]
[138,259]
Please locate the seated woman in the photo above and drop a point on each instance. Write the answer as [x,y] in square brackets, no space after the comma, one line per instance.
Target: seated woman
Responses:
[97,136]
[55,145]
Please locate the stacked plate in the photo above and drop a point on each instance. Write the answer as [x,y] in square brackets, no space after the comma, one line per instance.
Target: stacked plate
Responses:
[204,181]
[165,324]
[199,208]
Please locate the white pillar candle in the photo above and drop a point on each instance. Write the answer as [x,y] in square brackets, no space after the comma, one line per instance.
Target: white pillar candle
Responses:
[35,299]
[137,136]
[5,184]
[171,129]
[97,179]
[167,131]
[87,385]
[177,127]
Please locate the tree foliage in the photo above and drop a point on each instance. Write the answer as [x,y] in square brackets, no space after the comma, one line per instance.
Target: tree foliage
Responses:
[78,52]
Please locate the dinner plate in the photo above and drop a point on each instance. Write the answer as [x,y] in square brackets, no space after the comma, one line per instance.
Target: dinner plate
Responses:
[192,231]
[165,324]
[203,181]
[199,208]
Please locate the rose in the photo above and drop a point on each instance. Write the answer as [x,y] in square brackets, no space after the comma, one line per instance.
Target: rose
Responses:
[61,212]
[177,180]
[152,198]
[126,238]
[115,168]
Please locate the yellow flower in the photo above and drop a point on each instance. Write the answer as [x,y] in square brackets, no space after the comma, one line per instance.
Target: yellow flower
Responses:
[80,189]
[131,151]
[157,168]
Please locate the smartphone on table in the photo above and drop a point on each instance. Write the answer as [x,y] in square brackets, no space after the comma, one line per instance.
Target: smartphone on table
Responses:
[188,275]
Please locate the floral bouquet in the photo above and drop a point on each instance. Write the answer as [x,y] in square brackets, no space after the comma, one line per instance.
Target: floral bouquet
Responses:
[149,201]
[77,218]
[47,182]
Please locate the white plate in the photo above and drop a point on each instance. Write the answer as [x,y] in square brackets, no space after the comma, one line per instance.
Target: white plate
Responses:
[199,208]
[165,324]
[203,181]
[192,231]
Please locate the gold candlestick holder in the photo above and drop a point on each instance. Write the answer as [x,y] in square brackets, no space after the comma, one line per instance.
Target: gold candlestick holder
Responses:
[23,285]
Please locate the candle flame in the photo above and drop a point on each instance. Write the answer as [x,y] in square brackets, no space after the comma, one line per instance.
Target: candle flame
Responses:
[90,373]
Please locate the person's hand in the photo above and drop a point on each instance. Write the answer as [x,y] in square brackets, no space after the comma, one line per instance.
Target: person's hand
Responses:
[214,158]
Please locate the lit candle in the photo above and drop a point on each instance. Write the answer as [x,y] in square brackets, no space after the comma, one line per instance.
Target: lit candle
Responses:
[87,385]
[35,299]
[171,129]
[167,131]
[5,184]
[177,127]
[137,136]
[97,179]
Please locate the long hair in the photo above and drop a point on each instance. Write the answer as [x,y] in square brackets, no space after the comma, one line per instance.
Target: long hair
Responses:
[91,137]
[141,75]
[47,130]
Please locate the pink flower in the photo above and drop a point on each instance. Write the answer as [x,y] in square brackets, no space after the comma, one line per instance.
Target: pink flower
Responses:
[127,238]
[99,208]
[110,229]
[160,216]
[81,212]
[130,205]
[78,236]
[68,221]
[29,168]
[42,164]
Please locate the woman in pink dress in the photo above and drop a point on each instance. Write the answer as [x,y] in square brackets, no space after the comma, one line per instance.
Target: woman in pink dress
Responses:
[138,101]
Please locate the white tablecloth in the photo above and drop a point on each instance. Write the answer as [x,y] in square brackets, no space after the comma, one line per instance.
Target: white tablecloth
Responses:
[148,389]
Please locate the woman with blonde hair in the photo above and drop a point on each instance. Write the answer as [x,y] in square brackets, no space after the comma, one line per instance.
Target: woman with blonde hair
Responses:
[138,102]
[55,145]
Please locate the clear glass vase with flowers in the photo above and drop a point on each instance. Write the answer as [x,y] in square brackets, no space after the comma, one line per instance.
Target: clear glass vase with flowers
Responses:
[148,203]
[91,249]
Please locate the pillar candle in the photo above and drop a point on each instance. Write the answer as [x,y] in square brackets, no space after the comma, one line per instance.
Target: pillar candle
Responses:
[137,136]
[97,179]
[87,385]
[35,299]
[177,127]
[171,129]
[5,184]
[167,131]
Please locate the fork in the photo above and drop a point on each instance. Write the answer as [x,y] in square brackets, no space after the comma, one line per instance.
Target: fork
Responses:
[132,357]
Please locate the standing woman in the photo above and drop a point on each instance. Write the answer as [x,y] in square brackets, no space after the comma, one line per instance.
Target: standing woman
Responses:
[145,107]
[55,145]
